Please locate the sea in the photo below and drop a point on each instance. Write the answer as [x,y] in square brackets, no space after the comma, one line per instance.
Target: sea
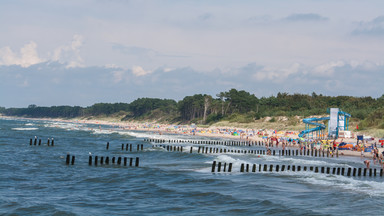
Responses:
[36,180]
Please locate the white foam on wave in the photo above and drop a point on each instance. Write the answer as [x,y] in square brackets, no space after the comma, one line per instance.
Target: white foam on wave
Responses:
[135,134]
[29,124]
[298,161]
[152,135]
[223,159]
[155,149]
[103,131]
[25,129]
[124,133]
[363,185]
[228,159]
[63,125]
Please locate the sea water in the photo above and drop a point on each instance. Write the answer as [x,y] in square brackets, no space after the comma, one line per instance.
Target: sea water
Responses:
[35,180]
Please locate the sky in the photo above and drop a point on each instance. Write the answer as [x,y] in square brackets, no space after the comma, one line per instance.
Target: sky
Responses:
[90,51]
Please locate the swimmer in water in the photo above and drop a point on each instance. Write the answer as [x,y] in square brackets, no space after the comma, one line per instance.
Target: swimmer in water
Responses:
[367,162]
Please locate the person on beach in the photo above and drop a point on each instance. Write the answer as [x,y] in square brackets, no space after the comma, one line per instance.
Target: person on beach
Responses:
[362,153]
[367,162]
[381,161]
[374,157]
[334,145]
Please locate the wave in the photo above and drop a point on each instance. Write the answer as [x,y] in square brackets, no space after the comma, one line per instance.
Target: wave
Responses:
[153,135]
[362,185]
[25,129]
[307,162]
[370,186]
[236,163]
[103,131]
[69,126]
[229,159]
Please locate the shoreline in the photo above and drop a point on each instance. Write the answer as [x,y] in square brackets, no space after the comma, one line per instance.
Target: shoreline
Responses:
[242,134]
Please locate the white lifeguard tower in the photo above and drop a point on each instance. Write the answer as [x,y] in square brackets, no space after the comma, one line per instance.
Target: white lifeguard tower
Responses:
[338,121]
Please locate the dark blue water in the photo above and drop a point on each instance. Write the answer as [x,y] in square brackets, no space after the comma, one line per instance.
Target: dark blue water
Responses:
[35,180]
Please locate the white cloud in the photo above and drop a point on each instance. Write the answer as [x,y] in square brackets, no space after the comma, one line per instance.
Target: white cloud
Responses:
[70,53]
[179,82]
[276,74]
[168,69]
[374,27]
[294,68]
[139,71]
[28,56]
[111,66]
[7,56]
[118,76]
[328,69]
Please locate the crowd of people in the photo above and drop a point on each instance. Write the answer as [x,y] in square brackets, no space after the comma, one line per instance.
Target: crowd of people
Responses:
[273,138]
[301,144]
[329,145]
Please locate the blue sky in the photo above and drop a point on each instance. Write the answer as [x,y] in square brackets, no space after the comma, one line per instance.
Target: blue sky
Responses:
[83,52]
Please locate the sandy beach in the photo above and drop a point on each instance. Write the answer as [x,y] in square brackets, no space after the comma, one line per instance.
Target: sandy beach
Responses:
[250,134]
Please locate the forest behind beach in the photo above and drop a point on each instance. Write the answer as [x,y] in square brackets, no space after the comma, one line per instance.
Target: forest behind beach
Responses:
[230,107]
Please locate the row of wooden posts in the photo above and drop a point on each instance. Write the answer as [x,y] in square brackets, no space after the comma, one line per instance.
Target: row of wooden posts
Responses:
[327,170]
[172,147]
[307,152]
[206,150]
[68,159]
[49,142]
[210,142]
[286,152]
[113,160]
[128,147]
[219,167]
[139,147]
[96,161]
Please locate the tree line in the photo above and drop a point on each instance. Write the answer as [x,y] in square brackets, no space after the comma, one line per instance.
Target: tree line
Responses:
[230,105]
